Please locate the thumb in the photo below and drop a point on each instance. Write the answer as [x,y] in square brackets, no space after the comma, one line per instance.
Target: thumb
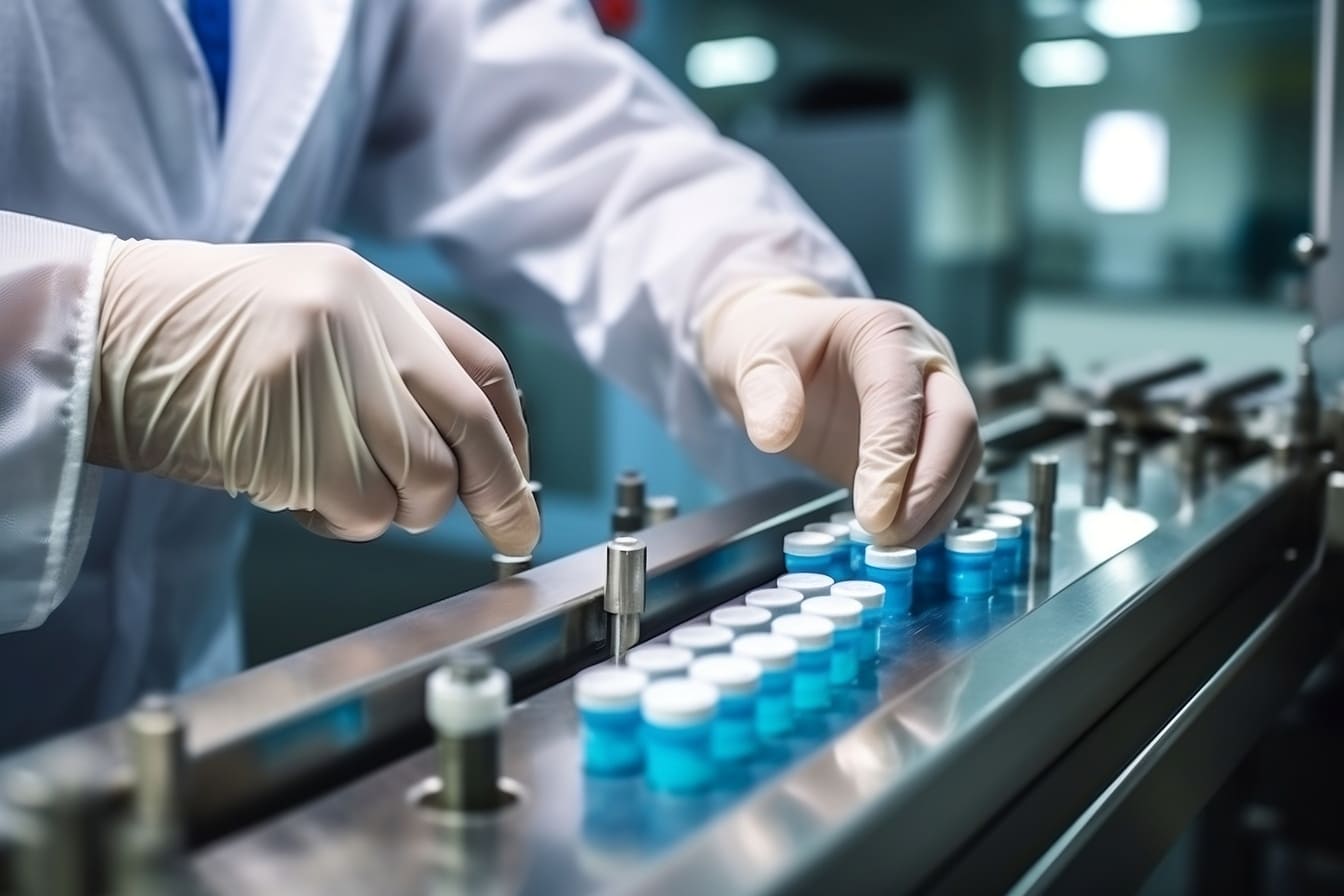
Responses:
[770,391]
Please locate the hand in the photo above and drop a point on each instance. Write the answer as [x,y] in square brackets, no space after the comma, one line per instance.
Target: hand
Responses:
[862,390]
[302,376]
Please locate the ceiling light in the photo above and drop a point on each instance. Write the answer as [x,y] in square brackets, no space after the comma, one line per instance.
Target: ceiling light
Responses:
[1063,63]
[734,60]
[1133,18]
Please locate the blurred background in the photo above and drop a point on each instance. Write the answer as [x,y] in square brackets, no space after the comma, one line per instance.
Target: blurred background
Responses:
[1092,179]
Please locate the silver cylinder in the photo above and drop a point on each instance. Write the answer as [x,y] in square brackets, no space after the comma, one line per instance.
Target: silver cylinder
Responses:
[468,763]
[984,490]
[157,741]
[660,509]
[1191,444]
[627,564]
[1334,511]
[1306,401]
[507,565]
[630,491]
[50,858]
[1128,460]
[1101,425]
[1042,487]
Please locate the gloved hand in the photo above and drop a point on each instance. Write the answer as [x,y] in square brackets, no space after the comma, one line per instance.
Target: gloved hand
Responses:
[307,379]
[864,391]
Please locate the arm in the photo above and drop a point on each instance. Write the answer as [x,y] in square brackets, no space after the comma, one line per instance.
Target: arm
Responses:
[567,179]
[50,281]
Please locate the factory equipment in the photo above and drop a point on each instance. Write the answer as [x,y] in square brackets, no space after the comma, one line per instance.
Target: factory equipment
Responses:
[1184,561]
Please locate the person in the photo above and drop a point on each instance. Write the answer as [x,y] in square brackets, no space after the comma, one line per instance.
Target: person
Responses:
[177,326]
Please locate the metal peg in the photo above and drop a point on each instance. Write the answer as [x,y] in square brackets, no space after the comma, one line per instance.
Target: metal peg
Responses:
[627,568]
[467,701]
[1306,401]
[660,509]
[630,500]
[1043,486]
[507,565]
[1191,442]
[1101,423]
[1334,511]
[985,490]
[1128,460]
[157,741]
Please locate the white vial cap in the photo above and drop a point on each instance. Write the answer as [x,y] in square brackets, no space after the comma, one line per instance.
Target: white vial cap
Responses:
[870,595]
[737,675]
[659,660]
[742,619]
[1023,510]
[775,600]
[838,531]
[972,541]
[859,534]
[702,639]
[808,544]
[457,706]
[842,517]
[1002,525]
[844,612]
[808,584]
[773,652]
[889,558]
[679,701]
[609,688]
[808,632]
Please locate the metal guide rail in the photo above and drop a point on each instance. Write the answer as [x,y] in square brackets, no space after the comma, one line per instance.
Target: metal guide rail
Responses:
[1001,743]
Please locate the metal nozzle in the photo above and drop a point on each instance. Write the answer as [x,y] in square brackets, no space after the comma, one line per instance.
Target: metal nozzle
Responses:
[627,566]
[1042,486]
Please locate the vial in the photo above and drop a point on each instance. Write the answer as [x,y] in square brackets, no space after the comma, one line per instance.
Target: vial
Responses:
[970,562]
[846,614]
[659,661]
[777,657]
[842,517]
[776,601]
[808,584]
[871,596]
[1024,511]
[859,539]
[738,679]
[678,716]
[814,637]
[702,640]
[931,571]
[608,702]
[839,569]
[741,620]
[1009,549]
[808,552]
[894,569]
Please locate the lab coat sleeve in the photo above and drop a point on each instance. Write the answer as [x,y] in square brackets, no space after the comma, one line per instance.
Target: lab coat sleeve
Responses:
[568,181]
[50,283]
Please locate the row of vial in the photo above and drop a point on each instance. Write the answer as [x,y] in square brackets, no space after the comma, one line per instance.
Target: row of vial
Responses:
[716,691]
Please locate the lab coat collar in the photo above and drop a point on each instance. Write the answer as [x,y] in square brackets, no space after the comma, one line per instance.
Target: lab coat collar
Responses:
[283,58]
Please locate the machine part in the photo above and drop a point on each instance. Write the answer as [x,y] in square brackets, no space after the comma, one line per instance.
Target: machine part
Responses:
[625,521]
[984,491]
[51,855]
[1128,460]
[1101,424]
[156,738]
[627,568]
[660,509]
[630,493]
[1191,448]
[1307,250]
[999,386]
[467,703]
[1334,511]
[1306,401]
[507,565]
[1124,386]
[1042,488]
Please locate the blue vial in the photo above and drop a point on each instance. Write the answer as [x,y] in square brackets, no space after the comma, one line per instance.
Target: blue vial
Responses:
[815,638]
[808,584]
[859,539]
[738,679]
[660,660]
[702,640]
[846,614]
[871,596]
[1024,511]
[608,702]
[895,569]
[1008,551]
[808,552]
[931,571]
[777,657]
[839,569]
[678,716]
[777,601]
[742,620]
[970,562]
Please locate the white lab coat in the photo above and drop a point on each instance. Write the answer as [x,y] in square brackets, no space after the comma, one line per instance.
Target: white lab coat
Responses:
[566,180]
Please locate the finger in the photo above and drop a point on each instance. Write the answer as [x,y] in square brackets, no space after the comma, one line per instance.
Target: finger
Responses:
[415,459]
[770,391]
[362,519]
[487,367]
[490,480]
[944,465]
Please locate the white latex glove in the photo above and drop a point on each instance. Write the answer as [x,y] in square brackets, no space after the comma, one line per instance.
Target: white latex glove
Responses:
[307,379]
[864,391]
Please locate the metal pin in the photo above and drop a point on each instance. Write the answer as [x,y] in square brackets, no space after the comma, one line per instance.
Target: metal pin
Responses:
[1101,423]
[627,566]
[1128,460]
[1191,442]
[1334,511]
[1306,401]
[157,739]
[507,565]
[50,859]
[467,700]
[1042,487]
[985,490]
[660,509]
